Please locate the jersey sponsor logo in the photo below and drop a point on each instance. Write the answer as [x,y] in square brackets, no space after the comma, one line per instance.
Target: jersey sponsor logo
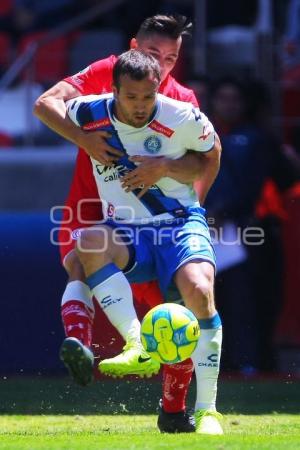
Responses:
[204,134]
[111,173]
[152,144]
[160,128]
[97,124]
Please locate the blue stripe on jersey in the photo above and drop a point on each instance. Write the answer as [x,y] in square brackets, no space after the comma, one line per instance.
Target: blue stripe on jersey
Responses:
[154,199]
[85,114]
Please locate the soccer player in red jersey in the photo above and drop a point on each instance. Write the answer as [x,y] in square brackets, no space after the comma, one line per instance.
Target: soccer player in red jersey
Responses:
[160,36]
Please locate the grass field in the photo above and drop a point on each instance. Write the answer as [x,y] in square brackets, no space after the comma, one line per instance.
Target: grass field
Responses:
[40,414]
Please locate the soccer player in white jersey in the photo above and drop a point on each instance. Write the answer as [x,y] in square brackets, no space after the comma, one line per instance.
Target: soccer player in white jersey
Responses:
[151,232]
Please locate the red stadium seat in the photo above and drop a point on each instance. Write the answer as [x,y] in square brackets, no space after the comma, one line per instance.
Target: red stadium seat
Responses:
[288,330]
[5,140]
[290,97]
[89,46]
[5,50]
[6,7]
[51,60]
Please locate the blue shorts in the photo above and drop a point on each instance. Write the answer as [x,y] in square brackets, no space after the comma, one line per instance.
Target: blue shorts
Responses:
[158,250]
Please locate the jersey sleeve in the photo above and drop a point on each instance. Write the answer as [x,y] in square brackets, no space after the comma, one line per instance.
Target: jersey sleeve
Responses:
[199,132]
[191,98]
[171,88]
[79,109]
[94,79]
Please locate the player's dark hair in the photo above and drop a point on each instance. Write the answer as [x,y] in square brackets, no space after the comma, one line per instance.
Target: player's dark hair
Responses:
[137,65]
[171,26]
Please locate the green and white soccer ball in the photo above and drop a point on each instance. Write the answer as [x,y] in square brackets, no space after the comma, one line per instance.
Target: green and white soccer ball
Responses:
[170,333]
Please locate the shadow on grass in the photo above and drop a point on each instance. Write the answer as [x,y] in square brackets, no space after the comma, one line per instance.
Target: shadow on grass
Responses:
[44,395]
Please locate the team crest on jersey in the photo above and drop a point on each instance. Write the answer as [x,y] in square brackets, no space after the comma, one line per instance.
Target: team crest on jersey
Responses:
[152,144]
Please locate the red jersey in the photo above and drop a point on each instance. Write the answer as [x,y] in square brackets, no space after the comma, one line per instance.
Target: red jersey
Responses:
[97,79]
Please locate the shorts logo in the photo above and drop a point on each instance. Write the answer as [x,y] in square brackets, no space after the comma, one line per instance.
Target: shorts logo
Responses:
[152,144]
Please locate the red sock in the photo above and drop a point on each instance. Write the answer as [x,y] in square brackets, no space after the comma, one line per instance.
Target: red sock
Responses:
[78,321]
[176,381]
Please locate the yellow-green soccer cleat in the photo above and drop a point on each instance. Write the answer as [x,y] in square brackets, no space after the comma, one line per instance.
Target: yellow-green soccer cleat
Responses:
[134,360]
[208,422]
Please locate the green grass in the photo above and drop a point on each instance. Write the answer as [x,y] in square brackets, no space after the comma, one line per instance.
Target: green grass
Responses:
[54,414]
[139,432]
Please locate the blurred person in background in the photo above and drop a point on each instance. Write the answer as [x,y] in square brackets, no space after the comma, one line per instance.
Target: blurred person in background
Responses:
[231,204]
[291,38]
[201,86]
[247,193]
[272,215]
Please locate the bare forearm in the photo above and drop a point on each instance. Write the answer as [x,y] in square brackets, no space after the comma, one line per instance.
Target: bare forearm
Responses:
[209,170]
[192,167]
[52,112]
[186,169]
[50,108]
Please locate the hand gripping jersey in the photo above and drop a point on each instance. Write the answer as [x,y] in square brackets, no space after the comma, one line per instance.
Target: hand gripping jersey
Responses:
[174,128]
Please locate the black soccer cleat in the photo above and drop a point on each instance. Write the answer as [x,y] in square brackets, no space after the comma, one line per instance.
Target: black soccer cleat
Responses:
[180,422]
[78,359]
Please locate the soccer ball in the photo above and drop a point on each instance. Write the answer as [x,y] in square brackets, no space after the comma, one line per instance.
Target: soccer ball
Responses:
[170,333]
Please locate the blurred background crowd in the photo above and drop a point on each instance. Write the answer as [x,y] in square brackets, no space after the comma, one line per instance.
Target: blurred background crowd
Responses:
[243,62]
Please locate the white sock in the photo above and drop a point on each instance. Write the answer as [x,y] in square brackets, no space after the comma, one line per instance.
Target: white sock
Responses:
[77,290]
[206,359]
[113,292]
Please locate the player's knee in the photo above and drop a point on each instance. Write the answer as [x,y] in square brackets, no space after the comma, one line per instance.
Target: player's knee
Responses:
[94,247]
[92,241]
[200,297]
[74,267]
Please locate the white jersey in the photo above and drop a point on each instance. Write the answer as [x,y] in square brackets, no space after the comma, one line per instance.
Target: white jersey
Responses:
[174,128]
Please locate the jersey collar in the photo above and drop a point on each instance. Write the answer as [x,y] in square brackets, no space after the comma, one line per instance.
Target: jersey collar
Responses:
[111,105]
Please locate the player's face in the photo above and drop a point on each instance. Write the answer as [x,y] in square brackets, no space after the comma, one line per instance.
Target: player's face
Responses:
[135,100]
[163,49]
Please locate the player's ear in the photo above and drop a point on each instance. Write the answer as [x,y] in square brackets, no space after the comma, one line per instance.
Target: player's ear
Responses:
[133,43]
[115,90]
